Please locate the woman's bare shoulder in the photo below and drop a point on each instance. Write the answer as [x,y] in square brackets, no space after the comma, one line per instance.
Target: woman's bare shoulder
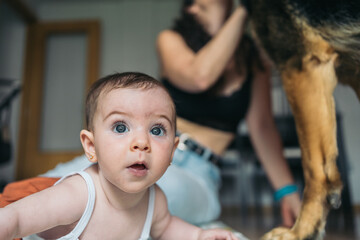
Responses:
[168,33]
[168,36]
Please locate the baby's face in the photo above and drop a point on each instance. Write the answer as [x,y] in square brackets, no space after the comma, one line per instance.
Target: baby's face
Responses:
[134,136]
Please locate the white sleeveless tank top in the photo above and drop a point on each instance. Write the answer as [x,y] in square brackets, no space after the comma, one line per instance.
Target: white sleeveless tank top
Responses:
[85,218]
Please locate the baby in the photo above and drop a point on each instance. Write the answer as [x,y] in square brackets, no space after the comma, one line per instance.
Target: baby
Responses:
[130,139]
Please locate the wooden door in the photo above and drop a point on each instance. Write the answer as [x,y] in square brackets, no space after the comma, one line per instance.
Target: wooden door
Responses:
[61,62]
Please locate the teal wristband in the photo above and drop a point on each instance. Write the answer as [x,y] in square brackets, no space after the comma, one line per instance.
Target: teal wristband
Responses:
[286,190]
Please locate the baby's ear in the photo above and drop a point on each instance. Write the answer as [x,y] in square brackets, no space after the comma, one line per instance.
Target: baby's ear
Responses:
[176,143]
[87,141]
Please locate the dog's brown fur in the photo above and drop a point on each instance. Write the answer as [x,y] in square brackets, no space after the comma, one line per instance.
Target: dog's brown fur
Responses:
[312,58]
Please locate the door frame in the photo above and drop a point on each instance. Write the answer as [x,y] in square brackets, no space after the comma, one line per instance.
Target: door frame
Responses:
[31,161]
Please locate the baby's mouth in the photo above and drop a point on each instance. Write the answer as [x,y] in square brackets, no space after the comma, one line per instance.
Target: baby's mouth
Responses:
[138,166]
[138,169]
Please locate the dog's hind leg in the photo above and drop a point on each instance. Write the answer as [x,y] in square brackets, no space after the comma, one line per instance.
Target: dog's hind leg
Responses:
[310,93]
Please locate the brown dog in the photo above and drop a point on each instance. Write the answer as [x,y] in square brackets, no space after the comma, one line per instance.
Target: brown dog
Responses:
[314,44]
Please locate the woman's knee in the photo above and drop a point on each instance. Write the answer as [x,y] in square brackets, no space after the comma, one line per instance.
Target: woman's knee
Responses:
[189,197]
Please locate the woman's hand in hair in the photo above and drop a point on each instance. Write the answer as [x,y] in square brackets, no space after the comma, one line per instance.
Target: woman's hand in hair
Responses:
[247,5]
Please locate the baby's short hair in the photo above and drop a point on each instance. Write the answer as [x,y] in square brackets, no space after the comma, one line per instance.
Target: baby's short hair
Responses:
[134,80]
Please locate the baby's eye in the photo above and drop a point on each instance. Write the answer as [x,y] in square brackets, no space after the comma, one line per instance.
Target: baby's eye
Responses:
[120,128]
[158,131]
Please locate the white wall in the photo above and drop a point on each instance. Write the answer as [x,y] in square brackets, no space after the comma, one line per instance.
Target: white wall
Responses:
[129,29]
[12,45]
[349,106]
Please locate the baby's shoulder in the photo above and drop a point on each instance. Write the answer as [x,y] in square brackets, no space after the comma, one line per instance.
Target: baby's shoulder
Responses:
[160,204]
[72,182]
[161,216]
[159,194]
[76,185]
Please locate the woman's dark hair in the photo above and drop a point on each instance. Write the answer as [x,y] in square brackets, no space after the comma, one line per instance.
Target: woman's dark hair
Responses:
[192,32]
[196,37]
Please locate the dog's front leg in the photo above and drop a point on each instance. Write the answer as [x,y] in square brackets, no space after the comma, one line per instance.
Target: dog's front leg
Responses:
[309,92]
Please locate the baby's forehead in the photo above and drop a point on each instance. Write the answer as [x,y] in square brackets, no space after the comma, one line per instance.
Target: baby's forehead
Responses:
[159,97]
[156,92]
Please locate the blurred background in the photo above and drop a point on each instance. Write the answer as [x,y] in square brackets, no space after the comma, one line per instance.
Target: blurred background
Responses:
[50,51]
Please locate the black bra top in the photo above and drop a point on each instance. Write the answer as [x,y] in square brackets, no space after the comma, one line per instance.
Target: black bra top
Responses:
[218,112]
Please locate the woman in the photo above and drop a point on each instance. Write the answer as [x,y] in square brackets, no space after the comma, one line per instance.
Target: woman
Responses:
[217,78]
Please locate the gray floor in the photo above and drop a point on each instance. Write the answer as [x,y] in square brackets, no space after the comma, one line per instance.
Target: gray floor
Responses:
[245,184]
[255,224]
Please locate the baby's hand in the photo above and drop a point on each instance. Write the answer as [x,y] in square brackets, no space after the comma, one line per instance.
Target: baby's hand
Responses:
[217,234]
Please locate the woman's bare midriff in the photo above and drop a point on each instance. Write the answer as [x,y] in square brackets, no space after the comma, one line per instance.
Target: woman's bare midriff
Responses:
[214,139]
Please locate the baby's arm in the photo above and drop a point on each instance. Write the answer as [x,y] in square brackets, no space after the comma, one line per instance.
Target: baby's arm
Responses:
[166,226]
[8,223]
[44,210]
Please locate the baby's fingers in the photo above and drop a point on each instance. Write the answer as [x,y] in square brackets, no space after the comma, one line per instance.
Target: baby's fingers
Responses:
[233,237]
[228,236]
[220,234]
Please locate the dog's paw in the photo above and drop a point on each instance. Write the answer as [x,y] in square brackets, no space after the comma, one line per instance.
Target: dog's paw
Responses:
[334,200]
[280,233]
